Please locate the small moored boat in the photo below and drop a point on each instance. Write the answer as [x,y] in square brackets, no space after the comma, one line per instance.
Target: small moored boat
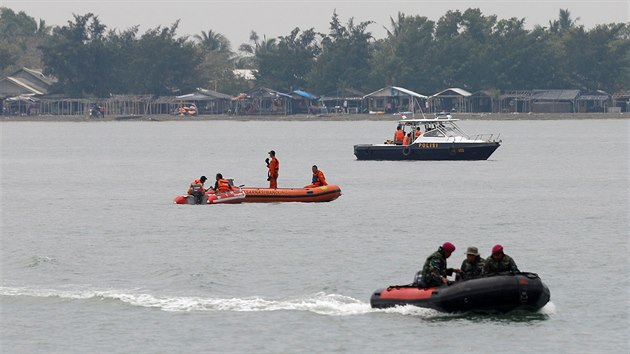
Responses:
[441,139]
[501,293]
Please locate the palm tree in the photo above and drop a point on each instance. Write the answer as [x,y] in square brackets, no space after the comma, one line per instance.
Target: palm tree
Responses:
[213,41]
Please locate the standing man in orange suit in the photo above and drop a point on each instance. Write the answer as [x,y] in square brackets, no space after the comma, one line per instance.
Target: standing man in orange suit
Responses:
[274,166]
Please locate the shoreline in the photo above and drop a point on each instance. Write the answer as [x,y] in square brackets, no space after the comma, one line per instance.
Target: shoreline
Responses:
[317,117]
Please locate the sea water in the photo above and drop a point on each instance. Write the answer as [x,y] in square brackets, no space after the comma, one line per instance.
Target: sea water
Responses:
[95,257]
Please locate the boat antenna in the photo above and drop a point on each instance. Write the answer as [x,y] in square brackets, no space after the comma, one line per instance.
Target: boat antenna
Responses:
[419,107]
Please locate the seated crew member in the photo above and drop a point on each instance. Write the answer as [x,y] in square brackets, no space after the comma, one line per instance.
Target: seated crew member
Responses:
[221,185]
[197,189]
[418,132]
[318,178]
[434,271]
[399,135]
[472,266]
[407,140]
[499,262]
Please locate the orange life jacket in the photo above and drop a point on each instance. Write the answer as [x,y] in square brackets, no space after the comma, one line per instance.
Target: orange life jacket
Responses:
[418,133]
[398,137]
[406,140]
[274,167]
[319,179]
[196,187]
[224,185]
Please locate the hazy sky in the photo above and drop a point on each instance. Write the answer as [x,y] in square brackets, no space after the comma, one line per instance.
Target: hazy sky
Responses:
[237,18]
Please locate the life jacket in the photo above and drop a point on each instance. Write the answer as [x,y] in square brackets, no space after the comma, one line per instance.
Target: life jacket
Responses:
[274,167]
[196,187]
[406,140]
[398,137]
[418,133]
[224,185]
[319,179]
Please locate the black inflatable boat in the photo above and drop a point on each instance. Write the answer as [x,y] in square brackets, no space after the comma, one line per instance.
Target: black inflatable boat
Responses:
[501,293]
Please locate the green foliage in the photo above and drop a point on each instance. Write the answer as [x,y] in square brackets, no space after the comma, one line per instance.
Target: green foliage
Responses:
[285,64]
[461,49]
[344,59]
[90,62]
[20,37]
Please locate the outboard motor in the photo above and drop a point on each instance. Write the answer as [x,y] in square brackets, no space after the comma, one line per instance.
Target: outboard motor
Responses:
[417,280]
[197,192]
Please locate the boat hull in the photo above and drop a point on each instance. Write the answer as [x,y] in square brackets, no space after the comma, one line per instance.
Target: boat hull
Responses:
[427,151]
[307,195]
[503,293]
[212,198]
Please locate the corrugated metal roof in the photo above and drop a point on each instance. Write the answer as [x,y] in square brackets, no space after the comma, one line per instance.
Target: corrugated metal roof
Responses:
[390,91]
[594,97]
[454,90]
[195,97]
[214,94]
[344,94]
[25,85]
[555,95]
[304,94]
[265,92]
[409,92]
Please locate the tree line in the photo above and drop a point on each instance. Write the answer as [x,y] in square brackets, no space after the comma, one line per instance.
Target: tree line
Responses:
[462,49]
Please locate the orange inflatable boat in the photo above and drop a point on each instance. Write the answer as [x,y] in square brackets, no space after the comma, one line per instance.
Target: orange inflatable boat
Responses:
[268,195]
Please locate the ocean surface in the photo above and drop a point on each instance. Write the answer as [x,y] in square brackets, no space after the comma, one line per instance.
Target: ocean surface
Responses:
[95,257]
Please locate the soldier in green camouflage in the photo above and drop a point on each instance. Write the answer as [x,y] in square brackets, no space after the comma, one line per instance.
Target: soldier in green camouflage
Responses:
[499,262]
[472,266]
[434,271]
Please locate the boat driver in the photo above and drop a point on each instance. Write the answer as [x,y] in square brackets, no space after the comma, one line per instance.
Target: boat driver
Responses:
[197,189]
[434,271]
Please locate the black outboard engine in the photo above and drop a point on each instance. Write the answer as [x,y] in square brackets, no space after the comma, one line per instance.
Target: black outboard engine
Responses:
[197,193]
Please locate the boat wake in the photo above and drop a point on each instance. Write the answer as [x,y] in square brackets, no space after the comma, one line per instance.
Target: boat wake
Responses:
[320,303]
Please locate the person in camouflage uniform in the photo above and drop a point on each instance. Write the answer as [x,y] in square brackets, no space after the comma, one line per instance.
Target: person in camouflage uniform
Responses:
[472,266]
[434,271]
[499,262]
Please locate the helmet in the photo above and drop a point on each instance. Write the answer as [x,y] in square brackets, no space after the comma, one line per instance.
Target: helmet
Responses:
[448,247]
[497,249]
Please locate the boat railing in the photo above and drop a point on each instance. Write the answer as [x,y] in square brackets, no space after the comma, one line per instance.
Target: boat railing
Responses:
[486,137]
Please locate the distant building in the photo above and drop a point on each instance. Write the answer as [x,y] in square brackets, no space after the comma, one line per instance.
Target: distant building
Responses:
[596,101]
[620,102]
[262,101]
[554,101]
[19,91]
[343,101]
[207,101]
[394,99]
[450,100]
[304,102]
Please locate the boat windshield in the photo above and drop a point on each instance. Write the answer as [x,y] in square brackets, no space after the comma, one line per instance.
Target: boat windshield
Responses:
[442,130]
[434,133]
[451,131]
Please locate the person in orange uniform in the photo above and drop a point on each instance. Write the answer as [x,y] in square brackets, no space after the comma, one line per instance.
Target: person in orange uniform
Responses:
[400,134]
[222,185]
[407,140]
[418,132]
[274,167]
[318,178]
[197,189]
